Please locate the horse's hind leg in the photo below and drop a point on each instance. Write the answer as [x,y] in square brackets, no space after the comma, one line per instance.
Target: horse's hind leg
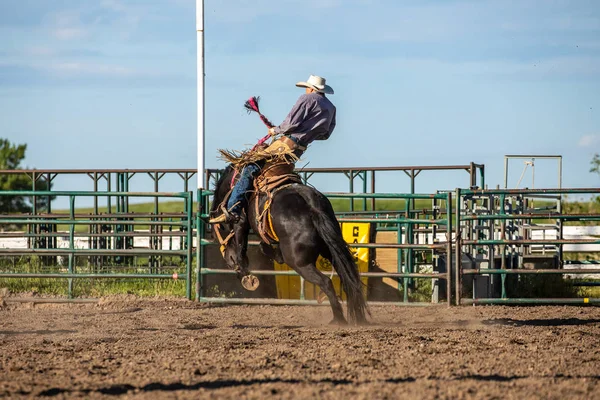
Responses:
[274,253]
[314,276]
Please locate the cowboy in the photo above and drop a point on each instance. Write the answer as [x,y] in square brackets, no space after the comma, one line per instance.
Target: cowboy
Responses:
[311,118]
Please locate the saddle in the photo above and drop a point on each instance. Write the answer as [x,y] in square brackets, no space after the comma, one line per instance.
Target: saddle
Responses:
[273,178]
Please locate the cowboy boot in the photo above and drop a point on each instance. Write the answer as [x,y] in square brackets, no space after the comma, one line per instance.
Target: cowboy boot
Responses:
[229,216]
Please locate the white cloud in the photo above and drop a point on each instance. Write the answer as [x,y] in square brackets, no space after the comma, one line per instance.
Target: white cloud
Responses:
[589,140]
[40,51]
[65,25]
[91,69]
[69,33]
[114,5]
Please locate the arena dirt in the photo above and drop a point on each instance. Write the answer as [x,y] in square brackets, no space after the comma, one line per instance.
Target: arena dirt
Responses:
[127,347]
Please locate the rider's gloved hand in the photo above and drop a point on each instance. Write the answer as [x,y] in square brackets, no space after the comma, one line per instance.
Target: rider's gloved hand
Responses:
[272,131]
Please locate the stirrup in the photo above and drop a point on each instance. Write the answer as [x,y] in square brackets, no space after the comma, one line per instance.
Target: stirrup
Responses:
[218,219]
[226,216]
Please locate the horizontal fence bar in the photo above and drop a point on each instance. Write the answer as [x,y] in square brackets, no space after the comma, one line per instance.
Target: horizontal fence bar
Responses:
[464,192]
[416,196]
[100,216]
[90,222]
[213,271]
[79,235]
[396,220]
[297,302]
[528,271]
[412,221]
[440,245]
[579,301]
[590,217]
[92,252]
[531,241]
[26,193]
[395,196]
[39,172]
[581,262]
[99,275]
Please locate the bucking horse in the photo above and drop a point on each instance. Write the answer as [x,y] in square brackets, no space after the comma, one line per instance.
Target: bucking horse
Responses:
[296,224]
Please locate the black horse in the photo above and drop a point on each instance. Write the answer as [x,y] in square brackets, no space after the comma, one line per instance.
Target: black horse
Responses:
[305,224]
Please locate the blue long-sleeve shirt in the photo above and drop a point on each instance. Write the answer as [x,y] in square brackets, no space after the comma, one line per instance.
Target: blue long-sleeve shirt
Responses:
[311,118]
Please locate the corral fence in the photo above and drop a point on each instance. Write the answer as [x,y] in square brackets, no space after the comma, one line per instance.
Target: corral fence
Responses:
[510,235]
[407,245]
[434,226]
[74,245]
[402,257]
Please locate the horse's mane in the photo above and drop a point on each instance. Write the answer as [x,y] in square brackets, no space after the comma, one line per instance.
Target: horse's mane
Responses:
[222,179]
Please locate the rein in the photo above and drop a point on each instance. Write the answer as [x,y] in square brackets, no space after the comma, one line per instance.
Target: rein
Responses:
[223,242]
[217,227]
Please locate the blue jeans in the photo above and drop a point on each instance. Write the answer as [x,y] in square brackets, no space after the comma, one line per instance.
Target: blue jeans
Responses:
[238,194]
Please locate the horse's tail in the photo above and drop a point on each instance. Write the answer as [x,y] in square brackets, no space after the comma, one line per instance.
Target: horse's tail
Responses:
[343,262]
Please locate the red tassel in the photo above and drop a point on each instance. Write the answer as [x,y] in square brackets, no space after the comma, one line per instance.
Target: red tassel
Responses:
[252,105]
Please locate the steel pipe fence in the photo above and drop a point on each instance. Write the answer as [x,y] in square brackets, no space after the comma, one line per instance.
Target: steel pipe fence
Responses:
[499,237]
[405,271]
[498,229]
[128,221]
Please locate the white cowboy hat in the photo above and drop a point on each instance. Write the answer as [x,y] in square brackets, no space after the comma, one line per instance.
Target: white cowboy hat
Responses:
[317,83]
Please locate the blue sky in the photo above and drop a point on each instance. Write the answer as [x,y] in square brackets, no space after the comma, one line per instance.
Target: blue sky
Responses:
[112,83]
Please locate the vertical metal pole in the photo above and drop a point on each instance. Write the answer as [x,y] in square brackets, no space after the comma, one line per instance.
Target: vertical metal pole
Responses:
[559,210]
[364,178]
[189,201]
[200,127]
[407,253]
[71,242]
[502,211]
[473,175]
[373,190]
[156,178]
[482,175]
[533,173]
[200,88]
[448,249]
[199,244]
[410,253]
[351,190]
[458,253]
[505,172]
[108,189]
[399,253]
[95,190]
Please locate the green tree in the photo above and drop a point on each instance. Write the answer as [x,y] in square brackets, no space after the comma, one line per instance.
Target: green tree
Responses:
[11,156]
[595,164]
[595,167]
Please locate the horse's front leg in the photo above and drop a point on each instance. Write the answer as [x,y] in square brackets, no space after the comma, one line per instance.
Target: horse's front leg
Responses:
[239,255]
[249,281]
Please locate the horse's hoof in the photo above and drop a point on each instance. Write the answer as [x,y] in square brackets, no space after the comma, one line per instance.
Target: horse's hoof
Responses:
[250,282]
[338,322]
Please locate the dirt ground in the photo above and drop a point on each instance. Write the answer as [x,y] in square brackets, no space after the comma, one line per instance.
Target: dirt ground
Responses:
[127,347]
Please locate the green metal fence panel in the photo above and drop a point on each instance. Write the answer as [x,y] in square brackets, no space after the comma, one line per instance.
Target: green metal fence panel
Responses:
[512,238]
[403,276]
[71,220]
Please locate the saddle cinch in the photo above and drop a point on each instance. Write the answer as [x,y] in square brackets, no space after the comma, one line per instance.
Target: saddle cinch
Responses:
[273,178]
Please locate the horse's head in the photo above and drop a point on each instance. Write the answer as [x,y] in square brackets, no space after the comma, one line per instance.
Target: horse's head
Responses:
[232,238]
